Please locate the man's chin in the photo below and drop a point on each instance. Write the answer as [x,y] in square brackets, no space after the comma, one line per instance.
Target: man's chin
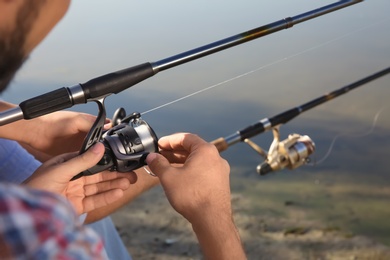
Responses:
[7,76]
[5,82]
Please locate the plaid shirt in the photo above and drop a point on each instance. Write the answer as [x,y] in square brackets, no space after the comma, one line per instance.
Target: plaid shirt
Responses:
[40,225]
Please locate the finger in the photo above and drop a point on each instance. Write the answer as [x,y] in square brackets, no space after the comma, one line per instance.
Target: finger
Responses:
[175,156]
[181,141]
[88,117]
[82,162]
[107,176]
[60,159]
[102,199]
[158,164]
[87,121]
[121,183]
[107,126]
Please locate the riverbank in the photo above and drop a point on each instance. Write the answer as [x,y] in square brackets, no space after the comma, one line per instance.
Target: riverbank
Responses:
[151,229]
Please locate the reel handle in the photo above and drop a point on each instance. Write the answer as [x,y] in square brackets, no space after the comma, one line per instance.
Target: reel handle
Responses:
[221,144]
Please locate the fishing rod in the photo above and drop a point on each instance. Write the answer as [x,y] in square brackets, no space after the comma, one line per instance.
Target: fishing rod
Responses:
[131,138]
[296,149]
[115,82]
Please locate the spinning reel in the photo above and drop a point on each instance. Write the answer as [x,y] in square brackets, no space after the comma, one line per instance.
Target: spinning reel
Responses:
[290,153]
[126,144]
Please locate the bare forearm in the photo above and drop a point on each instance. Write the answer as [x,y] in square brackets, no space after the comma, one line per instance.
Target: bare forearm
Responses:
[218,237]
[144,182]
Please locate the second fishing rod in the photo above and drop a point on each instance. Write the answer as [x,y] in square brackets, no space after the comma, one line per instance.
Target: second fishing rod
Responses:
[295,150]
[113,83]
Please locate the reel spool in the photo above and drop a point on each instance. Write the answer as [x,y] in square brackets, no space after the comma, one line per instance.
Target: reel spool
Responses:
[127,143]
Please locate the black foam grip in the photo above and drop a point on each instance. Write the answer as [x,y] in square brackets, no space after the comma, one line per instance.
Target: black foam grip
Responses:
[118,81]
[47,103]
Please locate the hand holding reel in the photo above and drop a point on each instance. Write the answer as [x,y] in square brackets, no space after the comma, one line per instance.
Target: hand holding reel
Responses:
[126,144]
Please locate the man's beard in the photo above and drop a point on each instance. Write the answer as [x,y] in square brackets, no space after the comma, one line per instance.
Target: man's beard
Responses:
[12,43]
[11,59]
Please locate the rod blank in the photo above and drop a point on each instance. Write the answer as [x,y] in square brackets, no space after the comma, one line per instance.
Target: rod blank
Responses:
[113,83]
[266,124]
[248,36]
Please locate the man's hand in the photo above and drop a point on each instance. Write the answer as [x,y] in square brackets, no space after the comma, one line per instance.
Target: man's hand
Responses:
[201,182]
[199,190]
[86,193]
[51,134]
[59,132]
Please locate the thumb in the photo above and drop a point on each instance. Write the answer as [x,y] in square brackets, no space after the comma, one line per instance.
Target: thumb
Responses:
[54,175]
[157,163]
[83,161]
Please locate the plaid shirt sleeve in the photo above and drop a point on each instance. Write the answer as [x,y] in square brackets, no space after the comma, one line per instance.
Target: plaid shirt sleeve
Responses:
[40,225]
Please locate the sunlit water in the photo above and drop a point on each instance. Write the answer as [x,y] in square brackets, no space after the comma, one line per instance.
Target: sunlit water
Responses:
[349,189]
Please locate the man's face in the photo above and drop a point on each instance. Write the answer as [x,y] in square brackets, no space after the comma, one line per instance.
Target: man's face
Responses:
[23,30]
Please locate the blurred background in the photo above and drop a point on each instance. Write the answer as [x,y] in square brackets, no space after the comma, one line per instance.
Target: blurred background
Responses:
[349,190]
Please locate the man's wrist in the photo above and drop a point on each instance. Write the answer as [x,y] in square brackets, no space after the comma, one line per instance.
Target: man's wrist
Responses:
[218,237]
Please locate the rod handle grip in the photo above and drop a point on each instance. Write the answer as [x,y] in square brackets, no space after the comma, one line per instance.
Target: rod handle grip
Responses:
[47,103]
[115,82]
[220,143]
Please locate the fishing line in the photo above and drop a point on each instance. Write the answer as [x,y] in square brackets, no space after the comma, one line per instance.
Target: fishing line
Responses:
[265,66]
[352,135]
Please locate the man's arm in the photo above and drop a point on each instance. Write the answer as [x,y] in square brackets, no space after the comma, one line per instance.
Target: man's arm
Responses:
[200,191]
[218,236]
